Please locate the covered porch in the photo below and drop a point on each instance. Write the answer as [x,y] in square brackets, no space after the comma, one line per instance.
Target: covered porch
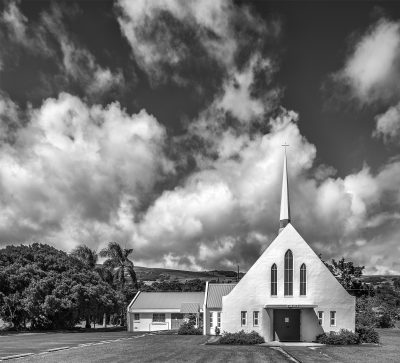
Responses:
[291,322]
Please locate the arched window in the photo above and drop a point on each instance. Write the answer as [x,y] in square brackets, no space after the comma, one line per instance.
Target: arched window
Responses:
[288,273]
[274,280]
[303,279]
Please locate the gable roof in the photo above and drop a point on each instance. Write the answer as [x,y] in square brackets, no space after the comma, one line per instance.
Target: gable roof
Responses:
[289,238]
[166,300]
[215,293]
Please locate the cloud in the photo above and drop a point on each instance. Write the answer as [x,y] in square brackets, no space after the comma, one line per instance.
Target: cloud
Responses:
[372,68]
[49,38]
[75,169]
[388,125]
[174,40]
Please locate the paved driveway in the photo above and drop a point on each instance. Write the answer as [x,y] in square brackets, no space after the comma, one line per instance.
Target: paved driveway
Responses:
[15,344]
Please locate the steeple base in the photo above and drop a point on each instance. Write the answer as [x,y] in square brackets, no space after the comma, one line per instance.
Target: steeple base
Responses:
[282,224]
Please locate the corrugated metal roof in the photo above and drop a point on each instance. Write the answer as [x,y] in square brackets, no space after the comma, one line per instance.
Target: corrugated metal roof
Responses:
[166,300]
[215,293]
[190,308]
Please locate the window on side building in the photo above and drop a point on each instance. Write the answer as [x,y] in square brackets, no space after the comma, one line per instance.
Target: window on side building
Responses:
[158,318]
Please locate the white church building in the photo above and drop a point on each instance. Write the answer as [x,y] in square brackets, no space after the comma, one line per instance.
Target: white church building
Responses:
[287,295]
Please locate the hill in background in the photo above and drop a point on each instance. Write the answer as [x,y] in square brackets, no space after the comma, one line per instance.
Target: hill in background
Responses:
[161,274]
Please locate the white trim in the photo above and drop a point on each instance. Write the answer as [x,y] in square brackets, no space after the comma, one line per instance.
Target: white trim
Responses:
[134,299]
[167,310]
[205,310]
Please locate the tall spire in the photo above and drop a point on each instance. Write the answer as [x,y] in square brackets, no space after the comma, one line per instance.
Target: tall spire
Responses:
[285,207]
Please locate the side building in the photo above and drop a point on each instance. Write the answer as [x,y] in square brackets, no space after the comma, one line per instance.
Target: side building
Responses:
[151,311]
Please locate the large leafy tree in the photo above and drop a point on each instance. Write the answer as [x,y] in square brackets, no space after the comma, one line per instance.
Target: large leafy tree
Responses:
[49,289]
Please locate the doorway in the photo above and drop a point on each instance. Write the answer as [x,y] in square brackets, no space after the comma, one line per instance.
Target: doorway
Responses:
[287,325]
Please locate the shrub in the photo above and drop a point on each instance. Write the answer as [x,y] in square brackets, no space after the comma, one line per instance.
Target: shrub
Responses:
[241,338]
[385,321]
[367,334]
[189,329]
[344,337]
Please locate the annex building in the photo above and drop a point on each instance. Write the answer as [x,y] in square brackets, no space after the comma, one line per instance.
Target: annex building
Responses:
[287,295]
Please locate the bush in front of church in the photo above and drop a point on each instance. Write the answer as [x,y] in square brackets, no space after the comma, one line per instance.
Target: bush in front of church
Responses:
[367,334]
[188,328]
[343,337]
[241,338]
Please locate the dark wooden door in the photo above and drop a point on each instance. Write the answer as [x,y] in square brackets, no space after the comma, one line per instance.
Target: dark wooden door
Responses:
[176,321]
[287,325]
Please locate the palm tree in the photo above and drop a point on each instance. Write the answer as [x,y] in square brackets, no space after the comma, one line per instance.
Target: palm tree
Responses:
[119,263]
[87,256]
[122,269]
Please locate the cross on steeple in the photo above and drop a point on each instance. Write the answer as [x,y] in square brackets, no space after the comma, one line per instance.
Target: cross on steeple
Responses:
[285,145]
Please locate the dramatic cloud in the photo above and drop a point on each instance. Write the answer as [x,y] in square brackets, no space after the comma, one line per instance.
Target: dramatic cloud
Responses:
[73,170]
[373,67]
[175,40]
[74,165]
[49,38]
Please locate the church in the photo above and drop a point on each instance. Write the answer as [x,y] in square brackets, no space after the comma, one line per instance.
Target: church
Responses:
[287,295]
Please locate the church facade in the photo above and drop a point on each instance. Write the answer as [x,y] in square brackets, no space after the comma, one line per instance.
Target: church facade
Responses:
[287,295]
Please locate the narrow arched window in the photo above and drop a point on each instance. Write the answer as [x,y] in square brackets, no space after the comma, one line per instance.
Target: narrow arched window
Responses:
[288,273]
[303,279]
[274,280]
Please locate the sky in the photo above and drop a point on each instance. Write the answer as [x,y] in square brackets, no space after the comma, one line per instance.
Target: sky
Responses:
[159,125]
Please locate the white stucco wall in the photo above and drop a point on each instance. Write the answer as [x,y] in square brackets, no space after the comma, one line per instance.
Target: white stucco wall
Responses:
[252,293]
[145,323]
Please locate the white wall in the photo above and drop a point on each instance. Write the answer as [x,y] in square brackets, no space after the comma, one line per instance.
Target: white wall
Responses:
[252,293]
[146,322]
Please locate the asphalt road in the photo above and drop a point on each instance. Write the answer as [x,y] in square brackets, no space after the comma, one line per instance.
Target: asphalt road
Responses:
[16,344]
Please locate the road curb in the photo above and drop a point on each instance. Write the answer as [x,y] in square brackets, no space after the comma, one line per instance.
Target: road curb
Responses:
[15,356]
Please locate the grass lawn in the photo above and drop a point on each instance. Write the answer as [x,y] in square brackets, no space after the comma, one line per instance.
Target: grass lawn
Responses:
[388,351]
[162,348]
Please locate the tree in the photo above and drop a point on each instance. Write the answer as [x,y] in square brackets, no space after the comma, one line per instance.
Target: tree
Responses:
[349,276]
[122,269]
[49,288]
[119,263]
[86,256]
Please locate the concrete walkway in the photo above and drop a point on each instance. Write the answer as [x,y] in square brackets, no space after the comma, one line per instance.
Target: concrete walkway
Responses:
[291,344]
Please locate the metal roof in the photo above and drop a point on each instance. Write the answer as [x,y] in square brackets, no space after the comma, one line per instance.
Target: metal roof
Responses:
[215,293]
[165,300]
[190,308]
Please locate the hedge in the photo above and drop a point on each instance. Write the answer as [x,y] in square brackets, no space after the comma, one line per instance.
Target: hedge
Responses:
[241,338]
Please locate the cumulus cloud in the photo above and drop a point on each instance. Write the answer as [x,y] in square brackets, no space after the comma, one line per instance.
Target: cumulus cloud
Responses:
[71,172]
[78,166]
[373,66]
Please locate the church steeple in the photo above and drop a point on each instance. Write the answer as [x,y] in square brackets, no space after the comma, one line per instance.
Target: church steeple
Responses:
[285,207]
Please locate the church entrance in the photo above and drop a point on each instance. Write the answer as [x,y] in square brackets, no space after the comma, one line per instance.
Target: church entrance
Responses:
[287,325]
